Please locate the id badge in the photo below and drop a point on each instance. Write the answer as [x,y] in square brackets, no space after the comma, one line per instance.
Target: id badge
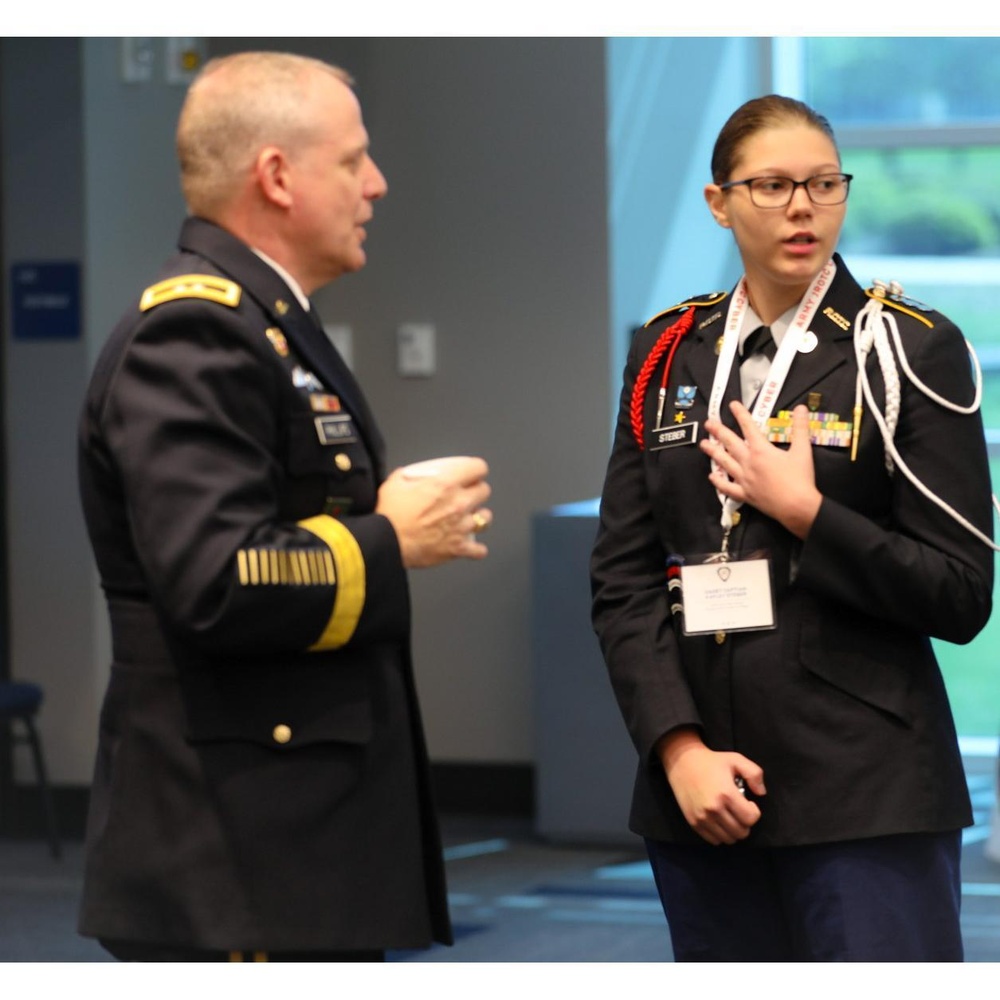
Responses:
[728,596]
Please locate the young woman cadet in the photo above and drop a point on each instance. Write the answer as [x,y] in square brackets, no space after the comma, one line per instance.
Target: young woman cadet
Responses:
[768,574]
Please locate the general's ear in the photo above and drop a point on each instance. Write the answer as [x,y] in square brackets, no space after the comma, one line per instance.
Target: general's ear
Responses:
[273,175]
[715,198]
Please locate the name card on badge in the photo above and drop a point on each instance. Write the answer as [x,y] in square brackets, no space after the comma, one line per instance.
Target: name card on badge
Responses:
[730,596]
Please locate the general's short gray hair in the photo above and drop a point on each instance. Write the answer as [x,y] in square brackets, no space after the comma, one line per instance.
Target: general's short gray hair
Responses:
[236,105]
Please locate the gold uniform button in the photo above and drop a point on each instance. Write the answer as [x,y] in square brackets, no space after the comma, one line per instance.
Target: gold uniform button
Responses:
[720,638]
[736,517]
[343,462]
[281,733]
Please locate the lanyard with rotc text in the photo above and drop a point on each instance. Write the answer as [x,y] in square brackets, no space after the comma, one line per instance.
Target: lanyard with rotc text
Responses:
[768,395]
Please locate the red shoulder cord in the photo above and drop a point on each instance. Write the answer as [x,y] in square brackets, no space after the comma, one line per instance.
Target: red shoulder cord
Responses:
[670,337]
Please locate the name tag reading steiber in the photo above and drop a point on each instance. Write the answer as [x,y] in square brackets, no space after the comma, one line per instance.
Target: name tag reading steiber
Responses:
[727,596]
[671,437]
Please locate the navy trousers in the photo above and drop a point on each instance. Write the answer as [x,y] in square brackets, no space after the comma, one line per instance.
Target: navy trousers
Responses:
[885,899]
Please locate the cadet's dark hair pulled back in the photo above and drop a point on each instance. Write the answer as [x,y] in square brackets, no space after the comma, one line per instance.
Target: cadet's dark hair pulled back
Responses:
[750,118]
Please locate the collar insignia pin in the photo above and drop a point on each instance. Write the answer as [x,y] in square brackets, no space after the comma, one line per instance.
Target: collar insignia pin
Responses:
[278,341]
[685,396]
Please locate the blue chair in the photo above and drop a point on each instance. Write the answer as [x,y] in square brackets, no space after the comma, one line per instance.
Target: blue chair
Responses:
[20,702]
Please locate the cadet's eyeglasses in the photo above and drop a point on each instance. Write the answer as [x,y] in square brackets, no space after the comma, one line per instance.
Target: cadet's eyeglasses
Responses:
[777,192]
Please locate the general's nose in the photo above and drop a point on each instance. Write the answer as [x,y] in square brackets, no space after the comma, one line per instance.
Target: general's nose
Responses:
[375,185]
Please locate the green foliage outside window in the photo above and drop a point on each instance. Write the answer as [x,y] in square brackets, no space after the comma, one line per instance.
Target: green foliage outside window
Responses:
[925,202]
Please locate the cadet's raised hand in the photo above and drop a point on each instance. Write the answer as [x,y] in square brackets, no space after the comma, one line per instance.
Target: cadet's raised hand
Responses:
[778,482]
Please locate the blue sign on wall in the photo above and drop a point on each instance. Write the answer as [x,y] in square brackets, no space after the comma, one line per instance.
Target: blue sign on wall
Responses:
[45,300]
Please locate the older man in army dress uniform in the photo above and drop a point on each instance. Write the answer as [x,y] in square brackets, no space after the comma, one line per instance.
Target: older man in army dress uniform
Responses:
[261,786]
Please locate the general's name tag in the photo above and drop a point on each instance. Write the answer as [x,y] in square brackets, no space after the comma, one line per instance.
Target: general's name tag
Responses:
[335,429]
[671,437]
[727,596]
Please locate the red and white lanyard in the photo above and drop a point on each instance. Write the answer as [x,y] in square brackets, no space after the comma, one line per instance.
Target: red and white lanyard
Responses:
[768,395]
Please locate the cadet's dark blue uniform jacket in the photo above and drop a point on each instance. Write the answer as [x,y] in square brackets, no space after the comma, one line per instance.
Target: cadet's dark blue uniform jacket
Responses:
[842,704]
[261,780]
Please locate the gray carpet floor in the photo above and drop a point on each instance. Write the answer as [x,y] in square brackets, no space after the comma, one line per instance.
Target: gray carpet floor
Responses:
[514,897]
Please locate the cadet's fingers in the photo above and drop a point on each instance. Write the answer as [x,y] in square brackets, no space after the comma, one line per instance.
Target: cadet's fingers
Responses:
[754,777]
[745,420]
[719,432]
[800,426]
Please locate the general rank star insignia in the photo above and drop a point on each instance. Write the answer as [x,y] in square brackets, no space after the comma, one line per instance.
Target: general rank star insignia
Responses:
[281,307]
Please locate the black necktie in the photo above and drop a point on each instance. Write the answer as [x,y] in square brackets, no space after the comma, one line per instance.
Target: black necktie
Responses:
[759,342]
[755,361]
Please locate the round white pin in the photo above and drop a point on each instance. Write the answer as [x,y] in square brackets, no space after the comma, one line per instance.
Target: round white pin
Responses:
[809,342]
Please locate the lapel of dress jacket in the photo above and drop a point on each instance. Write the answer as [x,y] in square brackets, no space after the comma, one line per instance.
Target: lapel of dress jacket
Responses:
[835,344]
[305,331]
[327,360]
[696,365]
[266,287]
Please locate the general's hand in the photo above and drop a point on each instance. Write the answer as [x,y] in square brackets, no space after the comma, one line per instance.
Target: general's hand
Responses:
[778,482]
[704,783]
[438,511]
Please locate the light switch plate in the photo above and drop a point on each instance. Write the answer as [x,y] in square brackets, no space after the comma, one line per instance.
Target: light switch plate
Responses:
[417,354]
[138,59]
